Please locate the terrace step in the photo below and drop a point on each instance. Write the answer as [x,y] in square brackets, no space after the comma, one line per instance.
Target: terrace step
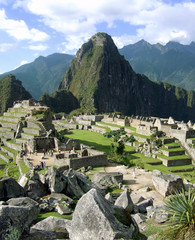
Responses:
[15,114]
[13,145]
[5,157]
[15,110]
[173,153]
[27,135]
[168,162]
[32,124]
[191,140]
[32,130]
[4,129]
[167,140]
[11,125]
[21,140]
[171,146]
[10,119]
[8,151]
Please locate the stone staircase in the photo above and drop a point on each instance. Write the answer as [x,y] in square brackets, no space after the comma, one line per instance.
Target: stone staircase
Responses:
[172,154]
[9,122]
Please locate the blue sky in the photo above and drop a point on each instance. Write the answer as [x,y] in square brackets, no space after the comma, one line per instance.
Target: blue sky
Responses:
[30,28]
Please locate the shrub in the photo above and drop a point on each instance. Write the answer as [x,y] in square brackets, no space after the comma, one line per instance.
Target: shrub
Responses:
[181,208]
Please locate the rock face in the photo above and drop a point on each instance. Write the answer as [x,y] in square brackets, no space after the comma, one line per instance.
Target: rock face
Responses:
[167,184]
[93,219]
[99,77]
[124,201]
[17,217]
[55,180]
[11,90]
[107,179]
[9,188]
[77,184]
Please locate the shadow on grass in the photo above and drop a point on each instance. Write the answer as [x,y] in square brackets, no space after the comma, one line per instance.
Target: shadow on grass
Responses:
[100,147]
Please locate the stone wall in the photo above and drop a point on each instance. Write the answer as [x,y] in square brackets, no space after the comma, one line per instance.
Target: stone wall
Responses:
[94,161]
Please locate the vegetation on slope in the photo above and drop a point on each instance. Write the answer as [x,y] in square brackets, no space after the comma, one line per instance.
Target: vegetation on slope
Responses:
[10,91]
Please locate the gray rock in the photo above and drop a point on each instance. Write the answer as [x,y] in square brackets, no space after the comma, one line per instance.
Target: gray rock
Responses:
[107,179]
[46,207]
[188,185]
[77,184]
[50,224]
[124,201]
[9,188]
[31,205]
[109,197]
[55,180]
[139,218]
[41,234]
[93,219]
[62,209]
[167,184]
[57,197]
[144,204]
[14,220]
[158,213]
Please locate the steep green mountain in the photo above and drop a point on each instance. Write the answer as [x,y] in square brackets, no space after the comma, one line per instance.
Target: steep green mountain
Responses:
[60,101]
[99,77]
[173,63]
[44,74]
[10,91]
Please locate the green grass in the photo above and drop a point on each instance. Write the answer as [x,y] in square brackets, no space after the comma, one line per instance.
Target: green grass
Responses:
[111,124]
[173,144]
[173,157]
[172,149]
[106,128]
[140,135]
[131,128]
[13,171]
[23,167]
[11,150]
[13,142]
[94,139]
[2,162]
[42,216]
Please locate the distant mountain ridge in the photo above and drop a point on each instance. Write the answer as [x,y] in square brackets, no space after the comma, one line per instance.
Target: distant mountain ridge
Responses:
[173,63]
[43,74]
[99,77]
[11,90]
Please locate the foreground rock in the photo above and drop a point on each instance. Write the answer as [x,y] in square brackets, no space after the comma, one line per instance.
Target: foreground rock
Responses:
[9,188]
[124,201]
[93,219]
[167,184]
[77,184]
[105,180]
[16,218]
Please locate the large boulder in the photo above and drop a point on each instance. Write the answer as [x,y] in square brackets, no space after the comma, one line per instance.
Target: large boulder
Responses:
[49,227]
[28,203]
[14,220]
[50,224]
[77,184]
[55,180]
[94,218]
[9,188]
[142,206]
[124,201]
[103,179]
[167,184]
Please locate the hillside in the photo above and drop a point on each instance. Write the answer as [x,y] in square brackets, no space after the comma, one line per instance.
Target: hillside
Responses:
[11,90]
[99,77]
[44,74]
[173,63]
[60,101]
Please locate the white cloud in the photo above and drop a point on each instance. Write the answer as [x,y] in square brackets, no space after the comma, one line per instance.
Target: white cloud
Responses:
[4,47]
[155,20]
[19,30]
[21,63]
[39,47]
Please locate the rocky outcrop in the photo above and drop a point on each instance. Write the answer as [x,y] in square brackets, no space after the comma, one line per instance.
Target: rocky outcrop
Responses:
[77,184]
[55,180]
[106,180]
[93,219]
[17,217]
[9,188]
[167,184]
[124,201]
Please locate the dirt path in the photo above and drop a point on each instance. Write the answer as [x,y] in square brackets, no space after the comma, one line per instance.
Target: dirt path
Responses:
[139,185]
